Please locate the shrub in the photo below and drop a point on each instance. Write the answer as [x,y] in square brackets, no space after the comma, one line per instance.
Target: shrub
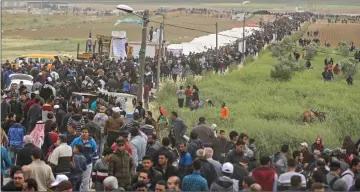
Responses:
[277,50]
[311,50]
[281,71]
[350,66]
[343,49]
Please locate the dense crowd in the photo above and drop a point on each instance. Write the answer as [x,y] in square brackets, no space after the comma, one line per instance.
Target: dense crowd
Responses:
[66,143]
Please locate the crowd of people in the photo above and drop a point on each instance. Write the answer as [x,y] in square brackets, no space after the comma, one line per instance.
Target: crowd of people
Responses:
[74,144]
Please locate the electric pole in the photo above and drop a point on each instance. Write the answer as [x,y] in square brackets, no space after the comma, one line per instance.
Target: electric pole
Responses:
[142,55]
[244,25]
[217,45]
[159,59]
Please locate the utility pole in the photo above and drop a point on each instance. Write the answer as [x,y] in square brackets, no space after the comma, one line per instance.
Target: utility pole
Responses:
[142,54]
[217,45]
[159,59]
[28,11]
[244,25]
[163,27]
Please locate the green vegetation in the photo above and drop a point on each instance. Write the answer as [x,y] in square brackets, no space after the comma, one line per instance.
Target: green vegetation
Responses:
[343,49]
[15,47]
[270,111]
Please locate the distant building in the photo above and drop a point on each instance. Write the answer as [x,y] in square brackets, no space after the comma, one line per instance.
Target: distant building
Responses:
[13,4]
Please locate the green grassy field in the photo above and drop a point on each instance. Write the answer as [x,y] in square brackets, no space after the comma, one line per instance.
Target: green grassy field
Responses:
[12,48]
[270,111]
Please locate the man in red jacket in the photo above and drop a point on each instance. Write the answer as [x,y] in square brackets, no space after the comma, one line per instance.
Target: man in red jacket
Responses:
[265,176]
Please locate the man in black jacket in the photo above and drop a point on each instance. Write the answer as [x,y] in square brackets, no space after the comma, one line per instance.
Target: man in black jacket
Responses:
[154,174]
[234,155]
[165,167]
[34,114]
[17,181]
[241,171]
[24,154]
[165,149]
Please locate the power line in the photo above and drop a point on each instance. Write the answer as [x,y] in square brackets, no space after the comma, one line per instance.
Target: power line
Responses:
[191,23]
[198,30]
[208,32]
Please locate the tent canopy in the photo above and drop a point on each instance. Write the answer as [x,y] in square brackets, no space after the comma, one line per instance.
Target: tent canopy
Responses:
[203,43]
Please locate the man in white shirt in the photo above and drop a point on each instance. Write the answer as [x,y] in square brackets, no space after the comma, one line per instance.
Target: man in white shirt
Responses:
[62,150]
[284,181]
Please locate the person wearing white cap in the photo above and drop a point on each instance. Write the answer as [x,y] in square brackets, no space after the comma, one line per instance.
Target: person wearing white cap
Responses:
[224,183]
[59,178]
[308,157]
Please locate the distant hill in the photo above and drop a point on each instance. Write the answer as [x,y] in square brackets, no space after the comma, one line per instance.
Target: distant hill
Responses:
[333,2]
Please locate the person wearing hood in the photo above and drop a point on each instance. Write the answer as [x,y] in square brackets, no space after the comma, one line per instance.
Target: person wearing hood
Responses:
[204,132]
[77,120]
[318,145]
[112,127]
[194,145]
[224,183]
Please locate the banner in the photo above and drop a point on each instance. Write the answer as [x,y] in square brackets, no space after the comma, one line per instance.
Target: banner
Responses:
[241,47]
[119,48]
[128,20]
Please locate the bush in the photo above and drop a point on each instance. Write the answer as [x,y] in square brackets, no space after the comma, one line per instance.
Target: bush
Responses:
[350,66]
[343,49]
[311,51]
[282,71]
[277,49]
[287,44]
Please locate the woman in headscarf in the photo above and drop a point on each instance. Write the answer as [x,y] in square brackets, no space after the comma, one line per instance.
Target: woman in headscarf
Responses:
[318,145]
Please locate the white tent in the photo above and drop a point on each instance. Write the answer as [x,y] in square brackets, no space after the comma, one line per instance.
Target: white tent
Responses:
[201,44]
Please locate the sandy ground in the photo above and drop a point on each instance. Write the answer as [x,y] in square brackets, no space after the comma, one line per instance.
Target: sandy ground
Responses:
[199,22]
[334,33]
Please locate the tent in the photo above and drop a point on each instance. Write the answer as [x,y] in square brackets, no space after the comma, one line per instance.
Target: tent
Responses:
[203,43]
[252,25]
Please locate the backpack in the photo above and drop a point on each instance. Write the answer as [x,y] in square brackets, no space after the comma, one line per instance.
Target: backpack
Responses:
[274,159]
[333,181]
